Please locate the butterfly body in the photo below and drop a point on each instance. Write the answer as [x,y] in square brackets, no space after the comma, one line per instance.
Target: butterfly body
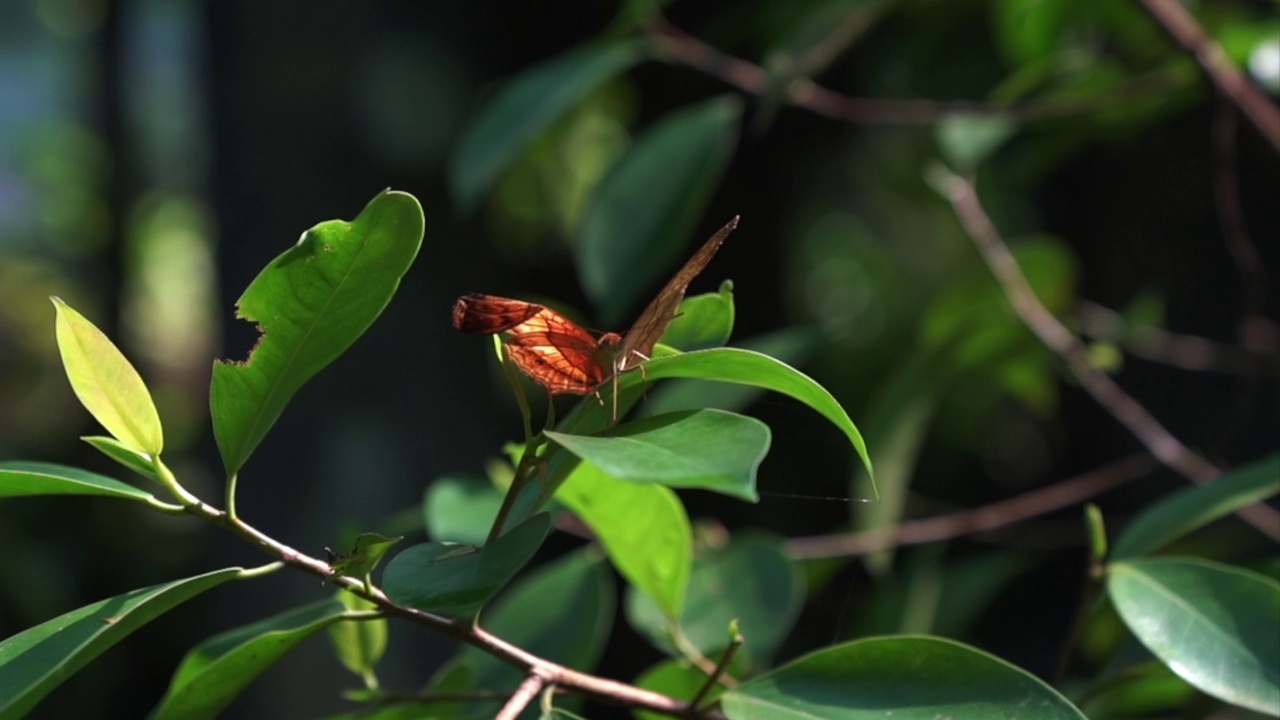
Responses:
[562,356]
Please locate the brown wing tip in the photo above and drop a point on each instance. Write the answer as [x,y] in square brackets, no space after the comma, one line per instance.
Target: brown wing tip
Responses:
[460,311]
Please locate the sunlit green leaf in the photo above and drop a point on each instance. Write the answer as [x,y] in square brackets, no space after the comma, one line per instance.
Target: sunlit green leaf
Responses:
[19,479]
[906,677]
[1213,625]
[643,528]
[106,383]
[704,321]
[369,550]
[311,303]
[123,454]
[706,449]
[359,644]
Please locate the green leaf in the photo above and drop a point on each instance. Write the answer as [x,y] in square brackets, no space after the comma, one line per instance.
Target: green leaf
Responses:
[37,660]
[457,580]
[123,454]
[751,580]
[968,139]
[638,221]
[107,385]
[678,678]
[525,106]
[909,678]
[461,509]
[703,321]
[643,528]
[311,303]
[792,346]
[359,644]
[706,449]
[369,550]
[217,670]
[746,367]
[19,479]
[561,612]
[1196,506]
[1213,625]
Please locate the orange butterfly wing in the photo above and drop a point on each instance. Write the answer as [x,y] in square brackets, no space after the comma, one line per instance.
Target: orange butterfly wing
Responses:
[547,346]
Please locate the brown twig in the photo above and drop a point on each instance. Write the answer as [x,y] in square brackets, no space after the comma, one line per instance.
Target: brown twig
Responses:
[564,678]
[721,667]
[521,698]
[1123,407]
[976,520]
[1188,352]
[1232,83]
[675,45]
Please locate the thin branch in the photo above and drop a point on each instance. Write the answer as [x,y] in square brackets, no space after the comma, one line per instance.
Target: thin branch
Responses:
[721,667]
[675,45]
[1184,29]
[521,698]
[1188,352]
[582,683]
[1159,441]
[976,520]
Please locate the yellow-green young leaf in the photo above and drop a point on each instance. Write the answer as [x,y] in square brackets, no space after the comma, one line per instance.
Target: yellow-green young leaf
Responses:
[107,385]
[359,644]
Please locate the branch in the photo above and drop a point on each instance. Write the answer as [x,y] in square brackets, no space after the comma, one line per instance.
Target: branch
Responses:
[1188,352]
[1232,83]
[1159,441]
[982,519]
[675,45]
[566,678]
[521,698]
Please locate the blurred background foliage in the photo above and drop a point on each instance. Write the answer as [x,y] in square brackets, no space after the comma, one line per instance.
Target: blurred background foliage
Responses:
[155,154]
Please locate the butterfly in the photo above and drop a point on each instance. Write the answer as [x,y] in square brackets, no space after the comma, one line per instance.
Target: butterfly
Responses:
[563,357]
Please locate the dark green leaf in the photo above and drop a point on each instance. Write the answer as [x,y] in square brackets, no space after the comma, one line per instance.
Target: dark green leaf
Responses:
[649,203]
[677,678]
[106,383]
[311,303]
[707,449]
[457,580]
[561,612]
[908,678]
[1213,625]
[1196,506]
[525,106]
[461,509]
[217,670]
[750,580]
[38,659]
[644,529]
